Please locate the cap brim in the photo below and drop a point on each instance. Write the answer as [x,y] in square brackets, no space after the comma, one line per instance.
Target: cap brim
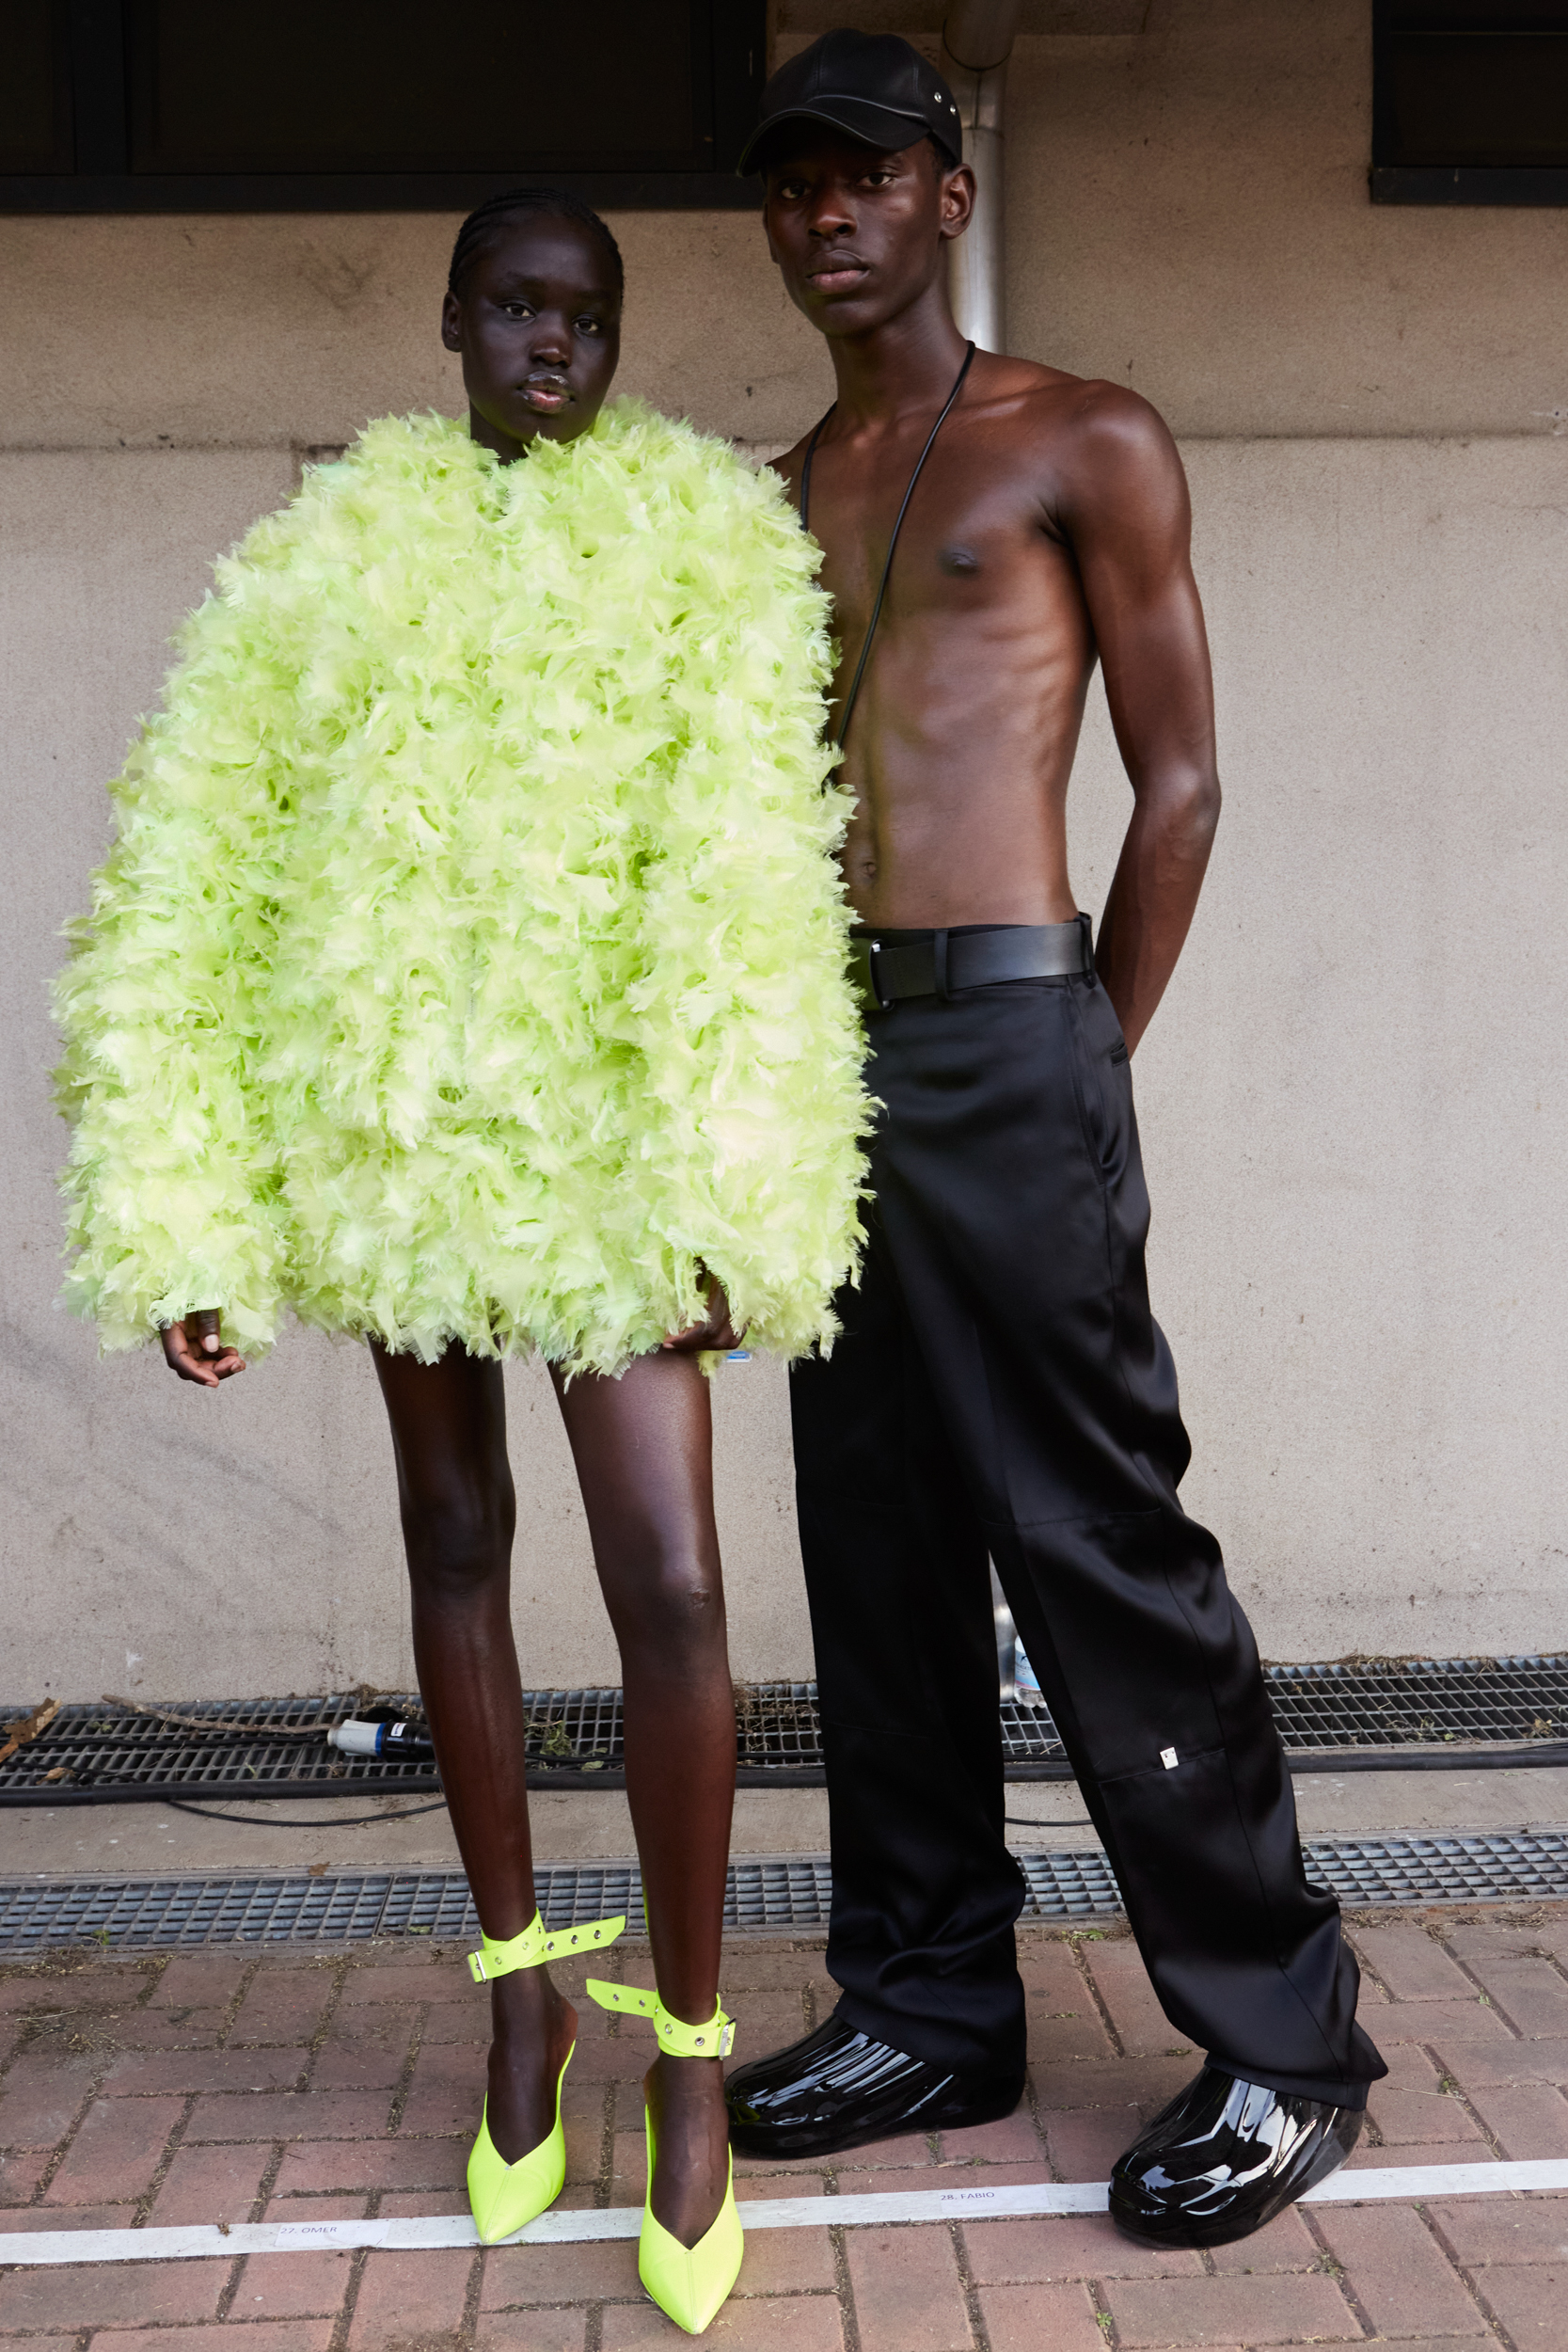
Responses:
[875,126]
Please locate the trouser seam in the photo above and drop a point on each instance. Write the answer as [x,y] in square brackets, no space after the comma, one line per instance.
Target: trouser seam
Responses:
[1263,1896]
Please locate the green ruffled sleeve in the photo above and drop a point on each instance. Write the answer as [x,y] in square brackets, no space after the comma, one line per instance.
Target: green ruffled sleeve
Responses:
[753,1040]
[171,1178]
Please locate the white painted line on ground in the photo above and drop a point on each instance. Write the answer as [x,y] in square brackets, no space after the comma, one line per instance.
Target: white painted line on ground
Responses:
[295,2234]
[200,2241]
[1436,2180]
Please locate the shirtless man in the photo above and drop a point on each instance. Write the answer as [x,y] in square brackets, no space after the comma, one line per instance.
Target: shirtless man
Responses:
[1001,1387]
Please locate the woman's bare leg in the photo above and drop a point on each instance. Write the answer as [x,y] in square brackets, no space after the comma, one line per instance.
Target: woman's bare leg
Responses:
[643,1449]
[454,1485]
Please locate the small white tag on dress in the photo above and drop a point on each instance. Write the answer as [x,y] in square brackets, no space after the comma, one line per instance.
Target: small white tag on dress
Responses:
[1167,1757]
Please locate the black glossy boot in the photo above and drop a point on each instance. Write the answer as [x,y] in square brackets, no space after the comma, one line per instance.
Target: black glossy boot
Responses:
[1223,2159]
[838,2089]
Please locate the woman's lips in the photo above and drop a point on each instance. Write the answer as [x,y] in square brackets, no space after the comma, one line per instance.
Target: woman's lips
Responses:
[548,397]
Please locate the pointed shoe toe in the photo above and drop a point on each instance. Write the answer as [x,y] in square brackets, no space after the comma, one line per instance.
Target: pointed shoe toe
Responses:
[692,2283]
[1224,2159]
[504,2198]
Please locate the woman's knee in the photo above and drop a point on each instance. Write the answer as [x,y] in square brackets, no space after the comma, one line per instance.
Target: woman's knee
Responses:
[669,1604]
[457,1539]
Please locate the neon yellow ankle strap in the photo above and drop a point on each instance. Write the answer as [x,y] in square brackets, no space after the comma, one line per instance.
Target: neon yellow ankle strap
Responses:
[533,1946]
[677,2039]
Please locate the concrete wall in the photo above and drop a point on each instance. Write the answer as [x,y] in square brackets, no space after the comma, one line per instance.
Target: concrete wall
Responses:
[1351,1105]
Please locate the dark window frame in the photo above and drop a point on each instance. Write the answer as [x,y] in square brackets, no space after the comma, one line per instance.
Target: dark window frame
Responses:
[1396,182]
[729,62]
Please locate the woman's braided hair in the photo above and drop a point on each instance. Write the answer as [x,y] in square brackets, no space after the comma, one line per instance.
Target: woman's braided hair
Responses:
[557,203]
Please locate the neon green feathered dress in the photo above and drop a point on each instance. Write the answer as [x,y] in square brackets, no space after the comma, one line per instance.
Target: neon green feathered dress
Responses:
[469,964]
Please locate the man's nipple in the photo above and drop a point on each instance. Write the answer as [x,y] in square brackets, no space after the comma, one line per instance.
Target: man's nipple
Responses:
[958,562]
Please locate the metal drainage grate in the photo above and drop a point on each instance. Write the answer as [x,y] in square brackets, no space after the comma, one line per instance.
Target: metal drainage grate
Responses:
[767,1896]
[782,1895]
[1381,1713]
[1387,1713]
[1519,1866]
[1422,1702]
[147,1915]
[242,1746]
[1075,1885]
[277,1747]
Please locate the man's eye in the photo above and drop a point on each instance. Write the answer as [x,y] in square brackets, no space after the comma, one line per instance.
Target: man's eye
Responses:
[518,309]
[590,326]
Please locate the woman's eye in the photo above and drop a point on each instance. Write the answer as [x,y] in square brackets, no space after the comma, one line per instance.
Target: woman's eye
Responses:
[518,309]
[589,326]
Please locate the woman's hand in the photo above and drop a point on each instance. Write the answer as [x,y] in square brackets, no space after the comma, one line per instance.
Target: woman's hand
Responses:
[194,1349]
[715,1333]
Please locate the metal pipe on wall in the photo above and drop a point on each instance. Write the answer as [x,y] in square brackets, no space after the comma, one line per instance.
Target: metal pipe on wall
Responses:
[976,41]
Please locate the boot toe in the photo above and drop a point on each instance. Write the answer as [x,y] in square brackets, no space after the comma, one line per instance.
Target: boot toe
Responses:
[1223,2160]
[839,2088]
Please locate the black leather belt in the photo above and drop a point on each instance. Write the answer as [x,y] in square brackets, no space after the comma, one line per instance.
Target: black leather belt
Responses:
[940,963]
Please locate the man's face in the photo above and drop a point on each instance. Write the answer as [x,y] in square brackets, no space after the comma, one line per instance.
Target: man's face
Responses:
[858,233]
[538,323]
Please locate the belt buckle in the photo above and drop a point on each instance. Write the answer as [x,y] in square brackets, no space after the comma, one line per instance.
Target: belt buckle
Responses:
[867,953]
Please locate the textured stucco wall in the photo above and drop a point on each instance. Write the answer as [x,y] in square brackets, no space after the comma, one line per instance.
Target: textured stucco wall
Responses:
[1352,1101]
[1352,1107]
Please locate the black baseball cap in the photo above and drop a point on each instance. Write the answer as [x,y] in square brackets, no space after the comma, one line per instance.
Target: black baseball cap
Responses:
[872,85]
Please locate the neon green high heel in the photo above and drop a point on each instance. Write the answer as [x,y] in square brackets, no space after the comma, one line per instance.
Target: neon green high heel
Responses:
[506,2197]
[690,2283]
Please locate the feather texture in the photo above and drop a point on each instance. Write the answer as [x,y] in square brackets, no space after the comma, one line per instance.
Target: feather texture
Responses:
[469,964]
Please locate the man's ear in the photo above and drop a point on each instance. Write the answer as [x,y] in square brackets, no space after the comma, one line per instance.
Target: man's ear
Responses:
[958,201]
[452,322]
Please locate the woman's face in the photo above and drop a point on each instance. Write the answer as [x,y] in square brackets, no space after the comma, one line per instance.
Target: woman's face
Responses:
[538,324]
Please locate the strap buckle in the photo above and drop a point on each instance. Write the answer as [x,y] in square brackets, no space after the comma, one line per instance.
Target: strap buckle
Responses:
[713,2039]
[865,952]
[534,1947]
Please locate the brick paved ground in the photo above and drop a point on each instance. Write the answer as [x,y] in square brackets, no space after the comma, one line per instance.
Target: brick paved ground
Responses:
[223,2087]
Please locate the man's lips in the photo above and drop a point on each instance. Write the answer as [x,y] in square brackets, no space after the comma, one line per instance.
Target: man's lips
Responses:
[547,396]
[835,276]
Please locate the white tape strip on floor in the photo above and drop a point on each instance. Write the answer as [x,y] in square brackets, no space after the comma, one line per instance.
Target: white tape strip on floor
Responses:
[196,2241]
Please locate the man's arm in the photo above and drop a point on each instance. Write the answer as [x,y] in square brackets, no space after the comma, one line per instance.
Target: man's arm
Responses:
[1123,504]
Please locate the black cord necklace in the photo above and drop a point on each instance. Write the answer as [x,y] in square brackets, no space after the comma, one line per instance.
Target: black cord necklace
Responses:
[898,525]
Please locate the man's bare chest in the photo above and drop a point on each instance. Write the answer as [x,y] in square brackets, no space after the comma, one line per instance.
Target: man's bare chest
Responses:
[970,543]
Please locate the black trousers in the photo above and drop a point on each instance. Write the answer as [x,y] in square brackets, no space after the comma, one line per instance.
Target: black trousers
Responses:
[1001,1387]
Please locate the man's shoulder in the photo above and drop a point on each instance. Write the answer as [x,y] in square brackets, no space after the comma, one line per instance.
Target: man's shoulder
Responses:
[1050,406]
[1083,445]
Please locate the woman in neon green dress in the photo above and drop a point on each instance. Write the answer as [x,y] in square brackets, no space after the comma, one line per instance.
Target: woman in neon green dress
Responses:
[467,975]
